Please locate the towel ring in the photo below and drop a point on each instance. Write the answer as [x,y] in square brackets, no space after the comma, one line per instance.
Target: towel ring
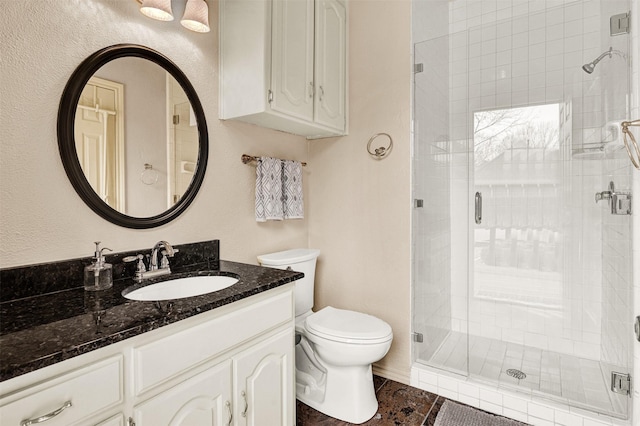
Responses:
[632,147]
[149,176]
[381,152]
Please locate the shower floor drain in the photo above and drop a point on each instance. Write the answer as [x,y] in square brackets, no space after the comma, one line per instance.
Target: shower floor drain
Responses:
[516,373]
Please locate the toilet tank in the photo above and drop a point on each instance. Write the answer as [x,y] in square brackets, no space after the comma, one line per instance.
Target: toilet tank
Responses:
[299,260]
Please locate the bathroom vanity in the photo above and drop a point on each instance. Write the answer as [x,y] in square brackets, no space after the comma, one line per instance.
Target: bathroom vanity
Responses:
[223,358]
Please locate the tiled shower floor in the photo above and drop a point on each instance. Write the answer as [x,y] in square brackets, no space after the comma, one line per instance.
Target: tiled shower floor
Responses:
[578,381]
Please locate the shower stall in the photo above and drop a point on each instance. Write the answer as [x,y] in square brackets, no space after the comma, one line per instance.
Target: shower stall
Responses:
[522,257]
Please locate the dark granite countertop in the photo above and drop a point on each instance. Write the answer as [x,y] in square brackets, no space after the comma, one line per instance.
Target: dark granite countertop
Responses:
[39,331]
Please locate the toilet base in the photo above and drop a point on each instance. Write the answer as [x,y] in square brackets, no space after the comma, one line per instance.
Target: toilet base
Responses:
[348,394]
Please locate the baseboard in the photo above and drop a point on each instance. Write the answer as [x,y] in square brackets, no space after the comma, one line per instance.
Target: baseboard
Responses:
[391,374]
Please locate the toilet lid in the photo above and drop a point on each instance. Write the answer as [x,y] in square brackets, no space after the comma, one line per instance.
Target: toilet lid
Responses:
[343,325]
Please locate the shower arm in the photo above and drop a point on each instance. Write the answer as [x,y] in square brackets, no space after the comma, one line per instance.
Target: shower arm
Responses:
[599,58]
[588,68]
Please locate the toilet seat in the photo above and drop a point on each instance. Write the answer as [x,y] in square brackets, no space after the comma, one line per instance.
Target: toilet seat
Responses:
[348,326]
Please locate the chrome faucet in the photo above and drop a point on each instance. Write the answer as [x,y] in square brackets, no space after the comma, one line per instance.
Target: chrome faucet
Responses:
[167,252]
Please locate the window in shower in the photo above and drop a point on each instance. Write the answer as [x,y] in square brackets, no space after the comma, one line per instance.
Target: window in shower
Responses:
[518,171]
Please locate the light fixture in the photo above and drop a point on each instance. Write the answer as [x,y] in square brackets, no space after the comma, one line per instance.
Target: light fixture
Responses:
[157,9]
[196,16]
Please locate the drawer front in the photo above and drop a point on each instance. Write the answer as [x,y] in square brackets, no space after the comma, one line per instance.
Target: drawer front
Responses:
[192,346]
[89,390]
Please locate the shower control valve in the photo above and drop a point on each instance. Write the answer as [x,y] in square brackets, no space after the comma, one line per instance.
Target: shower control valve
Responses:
[619,201]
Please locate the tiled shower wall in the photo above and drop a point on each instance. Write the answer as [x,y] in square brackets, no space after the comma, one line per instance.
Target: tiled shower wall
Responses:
[508,54]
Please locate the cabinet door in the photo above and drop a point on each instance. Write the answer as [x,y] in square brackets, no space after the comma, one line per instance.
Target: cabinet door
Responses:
[292,58]
[264,383]
[202,400]
[331,65]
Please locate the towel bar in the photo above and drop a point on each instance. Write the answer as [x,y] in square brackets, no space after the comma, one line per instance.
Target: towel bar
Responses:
[246,159]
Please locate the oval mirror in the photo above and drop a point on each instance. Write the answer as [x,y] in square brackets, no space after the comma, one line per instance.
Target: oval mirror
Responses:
[132,136]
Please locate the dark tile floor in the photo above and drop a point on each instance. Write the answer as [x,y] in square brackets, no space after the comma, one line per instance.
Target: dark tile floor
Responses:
[398,404]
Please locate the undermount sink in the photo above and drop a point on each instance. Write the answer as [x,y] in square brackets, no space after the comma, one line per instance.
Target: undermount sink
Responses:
[181,288]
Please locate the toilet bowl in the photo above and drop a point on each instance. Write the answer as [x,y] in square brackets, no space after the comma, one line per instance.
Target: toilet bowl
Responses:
[336,347]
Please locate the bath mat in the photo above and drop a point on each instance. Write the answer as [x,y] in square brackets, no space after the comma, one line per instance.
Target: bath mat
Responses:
[452,414]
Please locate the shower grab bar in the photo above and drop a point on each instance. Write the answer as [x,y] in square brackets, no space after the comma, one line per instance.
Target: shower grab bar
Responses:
[633,156]
[478,209]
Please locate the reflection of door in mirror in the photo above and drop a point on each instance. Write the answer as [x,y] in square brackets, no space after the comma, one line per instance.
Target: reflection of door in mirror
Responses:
[99,139]
[182,142]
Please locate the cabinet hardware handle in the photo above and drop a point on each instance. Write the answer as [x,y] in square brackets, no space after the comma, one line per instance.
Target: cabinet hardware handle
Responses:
[130,422]
[321,93]
[246,404]
[228,404]
[47,416]
[311,89]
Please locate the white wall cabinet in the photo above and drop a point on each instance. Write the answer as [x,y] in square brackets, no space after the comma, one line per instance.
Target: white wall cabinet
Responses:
[283,65]
[229,366]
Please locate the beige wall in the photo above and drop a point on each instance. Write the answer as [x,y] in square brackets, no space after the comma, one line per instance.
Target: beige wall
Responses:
[357,209]
[42,219]
[360,207]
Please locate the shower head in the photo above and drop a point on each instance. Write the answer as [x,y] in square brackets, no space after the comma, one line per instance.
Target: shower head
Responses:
[588,68]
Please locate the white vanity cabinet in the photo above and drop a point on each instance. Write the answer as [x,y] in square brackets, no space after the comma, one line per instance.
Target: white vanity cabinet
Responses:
[283,65]
[232,365]
[261,393]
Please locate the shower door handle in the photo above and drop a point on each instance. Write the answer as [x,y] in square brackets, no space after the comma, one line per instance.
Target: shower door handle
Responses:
[478,204]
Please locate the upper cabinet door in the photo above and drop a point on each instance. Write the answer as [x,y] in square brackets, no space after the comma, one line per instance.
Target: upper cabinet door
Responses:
[330,64]
[292,58]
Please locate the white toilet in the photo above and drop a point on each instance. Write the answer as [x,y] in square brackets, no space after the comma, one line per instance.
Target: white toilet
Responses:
[336,347]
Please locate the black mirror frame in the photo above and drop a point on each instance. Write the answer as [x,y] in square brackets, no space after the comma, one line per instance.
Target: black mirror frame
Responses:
[66,135]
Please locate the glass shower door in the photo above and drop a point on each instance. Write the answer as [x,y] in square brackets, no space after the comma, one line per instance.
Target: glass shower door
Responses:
[531,292]
[440,185]
[545,306]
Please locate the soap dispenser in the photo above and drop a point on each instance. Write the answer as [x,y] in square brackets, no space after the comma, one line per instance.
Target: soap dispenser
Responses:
[98,275]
